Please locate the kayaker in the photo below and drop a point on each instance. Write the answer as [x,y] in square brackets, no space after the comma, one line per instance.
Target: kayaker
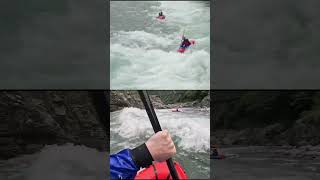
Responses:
[185,42]
[160,13]
[214,153]
[126,163]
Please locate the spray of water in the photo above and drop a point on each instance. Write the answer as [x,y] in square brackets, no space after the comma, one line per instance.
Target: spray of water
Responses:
[68,162]
[147,58]
[190,129]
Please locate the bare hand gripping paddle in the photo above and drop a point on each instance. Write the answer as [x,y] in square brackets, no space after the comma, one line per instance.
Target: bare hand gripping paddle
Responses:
[156,127]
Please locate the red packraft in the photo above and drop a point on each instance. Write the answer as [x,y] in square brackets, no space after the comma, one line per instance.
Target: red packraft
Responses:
[160,170]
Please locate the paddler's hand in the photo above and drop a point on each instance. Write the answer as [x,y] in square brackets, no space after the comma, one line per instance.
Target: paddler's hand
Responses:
[161,146]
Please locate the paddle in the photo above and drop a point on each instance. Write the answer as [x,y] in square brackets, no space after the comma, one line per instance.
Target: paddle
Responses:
[182,34]
[156,126]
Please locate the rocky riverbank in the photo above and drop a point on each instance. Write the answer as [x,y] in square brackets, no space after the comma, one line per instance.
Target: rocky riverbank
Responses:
[288,119]
[31,119]
[122,99]
[259,137]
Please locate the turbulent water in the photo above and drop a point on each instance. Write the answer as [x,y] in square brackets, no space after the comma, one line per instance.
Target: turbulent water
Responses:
[251,163]
[189,129]
[143,50]
[67,162]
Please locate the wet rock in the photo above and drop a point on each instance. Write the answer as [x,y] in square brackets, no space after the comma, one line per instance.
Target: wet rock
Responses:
[122,99]
[205,102]
[60,110]
[31,119]
[6,140]
[9,151]
[32,148]
[57,98]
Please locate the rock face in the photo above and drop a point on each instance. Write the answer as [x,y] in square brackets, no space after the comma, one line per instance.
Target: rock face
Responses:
[205,102]
[121,99]
[31,119]
[273,118]
[269,135]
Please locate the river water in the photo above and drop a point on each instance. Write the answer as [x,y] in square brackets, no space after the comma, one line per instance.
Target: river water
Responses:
[189,129]
[66,162]
[143,50]
[251,163]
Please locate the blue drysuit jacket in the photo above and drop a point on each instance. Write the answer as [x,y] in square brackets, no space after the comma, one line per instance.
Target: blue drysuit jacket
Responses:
[126,163]
[122,165]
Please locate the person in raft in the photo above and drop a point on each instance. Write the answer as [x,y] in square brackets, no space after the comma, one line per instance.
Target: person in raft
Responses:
[126,163]
[185,42]
[160,13]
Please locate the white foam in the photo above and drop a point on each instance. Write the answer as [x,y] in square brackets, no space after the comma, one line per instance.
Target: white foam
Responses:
[148,59]
[68,162]
[141,39]
[192,129]
[158,67]
[184,11]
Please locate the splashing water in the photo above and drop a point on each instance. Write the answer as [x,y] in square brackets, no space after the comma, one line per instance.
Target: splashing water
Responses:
[189,129]
[66,162]
[143,51]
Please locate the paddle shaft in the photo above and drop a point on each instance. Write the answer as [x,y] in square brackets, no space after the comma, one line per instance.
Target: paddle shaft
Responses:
[156,126]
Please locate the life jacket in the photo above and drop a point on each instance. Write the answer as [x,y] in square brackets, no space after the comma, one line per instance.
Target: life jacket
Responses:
[160,170]
[187,42]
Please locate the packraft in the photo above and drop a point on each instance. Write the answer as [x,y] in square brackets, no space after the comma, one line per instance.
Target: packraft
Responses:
[160,170]
[183,49]
[161,17]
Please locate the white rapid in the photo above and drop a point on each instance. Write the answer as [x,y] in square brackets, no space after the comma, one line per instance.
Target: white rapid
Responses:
[143,50]
[66,162]
[189,129]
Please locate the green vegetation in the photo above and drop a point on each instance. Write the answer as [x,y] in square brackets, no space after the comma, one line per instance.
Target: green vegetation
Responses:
[247,109]
[267,117]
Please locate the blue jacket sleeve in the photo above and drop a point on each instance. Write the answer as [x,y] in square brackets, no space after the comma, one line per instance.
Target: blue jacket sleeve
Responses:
[122,165]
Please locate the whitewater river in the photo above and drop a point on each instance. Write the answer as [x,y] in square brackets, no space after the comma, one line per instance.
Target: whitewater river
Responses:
[143,50]
[189,129]
[251,163]
[66,162]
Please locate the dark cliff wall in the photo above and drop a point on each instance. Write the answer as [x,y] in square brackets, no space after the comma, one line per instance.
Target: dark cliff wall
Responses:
[31,119]
[266,117]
